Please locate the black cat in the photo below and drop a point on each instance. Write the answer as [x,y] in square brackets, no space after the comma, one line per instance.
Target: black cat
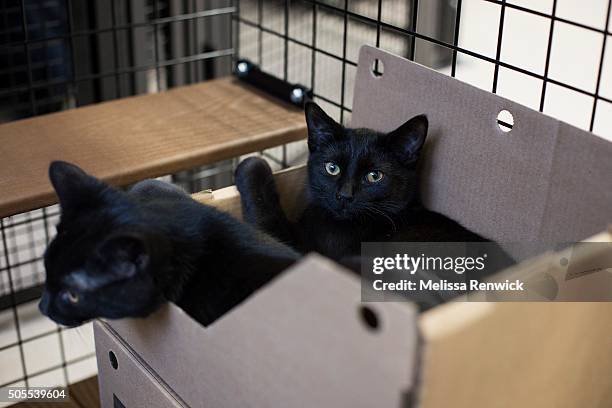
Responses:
[119,254]
[362,185]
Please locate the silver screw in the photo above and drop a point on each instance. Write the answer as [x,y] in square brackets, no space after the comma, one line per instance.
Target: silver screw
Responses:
[297,95]
[242,67]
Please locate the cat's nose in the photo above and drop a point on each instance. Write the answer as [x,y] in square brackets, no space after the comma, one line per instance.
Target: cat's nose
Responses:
[346,192]
[344,196]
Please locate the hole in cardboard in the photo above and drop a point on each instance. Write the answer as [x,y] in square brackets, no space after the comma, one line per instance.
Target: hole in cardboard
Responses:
[113,360]
[378,68]
[505,121]
[369,318]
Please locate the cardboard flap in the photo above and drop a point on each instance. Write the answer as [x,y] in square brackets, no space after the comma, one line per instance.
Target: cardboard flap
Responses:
[507,355]
[291,186]
[542,181]
[300,341]
[118,382]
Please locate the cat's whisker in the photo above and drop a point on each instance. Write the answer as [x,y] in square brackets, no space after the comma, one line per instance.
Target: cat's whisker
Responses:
[377,211]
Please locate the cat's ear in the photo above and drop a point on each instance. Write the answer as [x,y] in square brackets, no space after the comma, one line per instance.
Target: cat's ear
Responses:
[407,140]
[75,188]
[322,130]
[119,258]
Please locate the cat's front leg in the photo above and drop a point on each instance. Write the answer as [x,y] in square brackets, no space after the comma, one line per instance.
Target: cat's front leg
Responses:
[235,260]
[260,200]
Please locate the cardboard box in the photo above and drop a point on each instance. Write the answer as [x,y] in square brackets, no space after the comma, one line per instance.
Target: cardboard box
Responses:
[306,339]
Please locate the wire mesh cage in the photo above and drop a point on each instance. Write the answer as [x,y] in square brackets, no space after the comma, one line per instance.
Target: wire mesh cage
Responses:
[550,55]
[62,54]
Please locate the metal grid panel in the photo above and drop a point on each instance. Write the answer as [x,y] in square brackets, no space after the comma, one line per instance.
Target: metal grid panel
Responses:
[60,54]
[315,42]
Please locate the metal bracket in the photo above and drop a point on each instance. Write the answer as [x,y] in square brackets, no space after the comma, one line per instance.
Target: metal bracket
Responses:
[250,73]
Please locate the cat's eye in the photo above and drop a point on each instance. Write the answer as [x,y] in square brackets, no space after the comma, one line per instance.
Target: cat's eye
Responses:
[332,168]
[374,176]
[72,297]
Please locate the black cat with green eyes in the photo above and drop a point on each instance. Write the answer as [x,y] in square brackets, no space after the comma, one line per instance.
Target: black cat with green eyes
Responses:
[362,186]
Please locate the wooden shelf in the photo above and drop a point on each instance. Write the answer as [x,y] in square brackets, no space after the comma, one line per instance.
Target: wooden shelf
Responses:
[139,137]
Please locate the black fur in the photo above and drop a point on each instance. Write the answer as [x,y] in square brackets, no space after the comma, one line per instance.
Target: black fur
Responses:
[346,209]
[121,254]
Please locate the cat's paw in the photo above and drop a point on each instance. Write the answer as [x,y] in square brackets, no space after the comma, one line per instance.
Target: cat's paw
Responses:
[251,173]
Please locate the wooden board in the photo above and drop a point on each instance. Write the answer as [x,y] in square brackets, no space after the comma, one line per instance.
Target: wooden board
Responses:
[131,139]
[86,393]
[34,404]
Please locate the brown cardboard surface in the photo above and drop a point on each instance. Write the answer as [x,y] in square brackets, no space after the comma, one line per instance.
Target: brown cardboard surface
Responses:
[290,183]
[543,181]
[507,355]
[132,382]
[299,341]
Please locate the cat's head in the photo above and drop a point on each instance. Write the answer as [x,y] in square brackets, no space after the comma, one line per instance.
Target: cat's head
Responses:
[359,173]
[98,263]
